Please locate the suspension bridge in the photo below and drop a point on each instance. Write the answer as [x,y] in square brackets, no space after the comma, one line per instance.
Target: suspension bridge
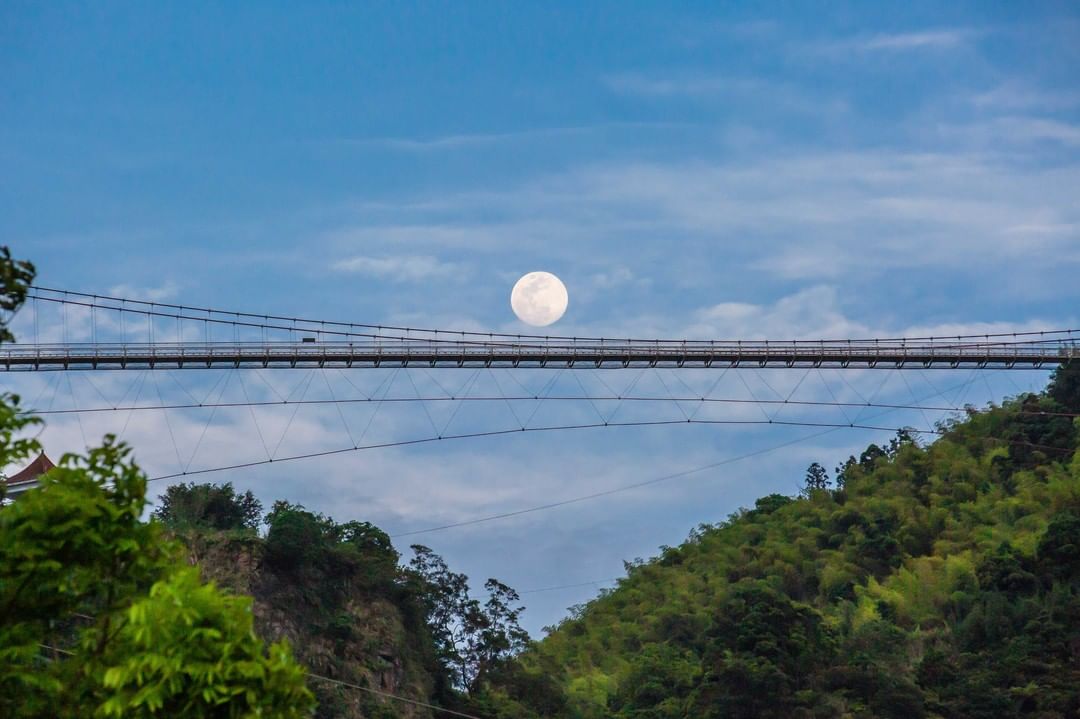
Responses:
[74,347]
[172,336]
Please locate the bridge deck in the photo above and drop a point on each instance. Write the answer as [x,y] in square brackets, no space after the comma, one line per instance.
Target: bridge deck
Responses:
[615,354]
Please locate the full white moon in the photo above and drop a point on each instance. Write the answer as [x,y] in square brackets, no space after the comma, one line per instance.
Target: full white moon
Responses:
[539,298]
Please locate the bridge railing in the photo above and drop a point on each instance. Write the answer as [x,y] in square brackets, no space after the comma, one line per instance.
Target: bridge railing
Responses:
[567,353]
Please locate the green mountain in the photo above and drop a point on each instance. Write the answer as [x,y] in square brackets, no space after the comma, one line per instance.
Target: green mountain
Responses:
[927,581]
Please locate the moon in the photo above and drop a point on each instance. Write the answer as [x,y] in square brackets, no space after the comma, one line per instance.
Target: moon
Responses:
[539,299]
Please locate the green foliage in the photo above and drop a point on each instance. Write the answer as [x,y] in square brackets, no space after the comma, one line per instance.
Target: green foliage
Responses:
[15,279]
[102,615]
[208,506]
[187,650]
[1059,548]
[472,639]
[933,581]
[314,547]
[99,614]
[817,479]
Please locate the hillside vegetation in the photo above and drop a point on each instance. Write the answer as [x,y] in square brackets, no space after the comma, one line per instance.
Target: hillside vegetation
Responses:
[926,581]
[339,595]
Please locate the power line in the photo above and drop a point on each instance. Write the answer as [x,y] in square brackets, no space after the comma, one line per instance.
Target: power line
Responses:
[570,586]
[339,682]
[395,697]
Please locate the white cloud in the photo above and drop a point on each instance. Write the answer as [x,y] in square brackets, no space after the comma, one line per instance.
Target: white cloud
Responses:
[809,217]
[1038,128]
[158,293]
[402,268]
[742,90]
[1016,95]
[462,141]
[935,39]
[613,277]
[466,141]
[819,312]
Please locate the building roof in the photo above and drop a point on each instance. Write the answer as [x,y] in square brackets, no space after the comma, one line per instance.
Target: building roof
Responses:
[32,471]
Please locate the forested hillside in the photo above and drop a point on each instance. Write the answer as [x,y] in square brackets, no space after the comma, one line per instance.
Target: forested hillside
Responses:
[923,581]
[352,610]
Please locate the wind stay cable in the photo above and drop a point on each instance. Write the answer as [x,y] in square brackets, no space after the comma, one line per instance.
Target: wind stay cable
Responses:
[423,405]
[577,377]
[467,389]
[911,391]
[75,401]
[619,400]
[337,405]
[636,485]
[271,387]
[173,377]
[542,395]
[296,408]
[378,405]
[625,395]
[873,396]
[836,400]
[502,393]
[168,424]
[254,419]
[195,451]
[708,393]
[134,402]
[90,381]
[667,390]
[759,403]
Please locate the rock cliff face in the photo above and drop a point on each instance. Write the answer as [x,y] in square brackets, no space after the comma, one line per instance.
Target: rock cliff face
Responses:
[338,627]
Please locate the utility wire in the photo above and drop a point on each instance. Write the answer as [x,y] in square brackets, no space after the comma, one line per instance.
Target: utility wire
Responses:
[339,682]
[395,697]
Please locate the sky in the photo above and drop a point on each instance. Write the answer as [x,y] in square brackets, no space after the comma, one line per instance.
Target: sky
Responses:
[768,170]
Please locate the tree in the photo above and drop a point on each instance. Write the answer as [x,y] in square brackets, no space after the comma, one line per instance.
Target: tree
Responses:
[1059,547]
[182,617]
[493,633]
[817,479]
[1064,386]
[15,279]
[471,638]
[764,648]
[209,506]
[90,596]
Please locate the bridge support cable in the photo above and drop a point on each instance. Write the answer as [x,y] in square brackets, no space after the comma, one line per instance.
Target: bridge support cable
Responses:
[202,435]
[337,406]
[254,419]
[760,404]
[75,402]
[911,391]
[502,393]
[292,416]
[307,346]
[698,469]
[168,424]
[293,325]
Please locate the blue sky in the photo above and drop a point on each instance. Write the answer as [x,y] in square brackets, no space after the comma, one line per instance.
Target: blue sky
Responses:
[786,170]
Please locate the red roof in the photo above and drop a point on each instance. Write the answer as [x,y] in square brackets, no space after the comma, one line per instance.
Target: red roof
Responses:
[32,471]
